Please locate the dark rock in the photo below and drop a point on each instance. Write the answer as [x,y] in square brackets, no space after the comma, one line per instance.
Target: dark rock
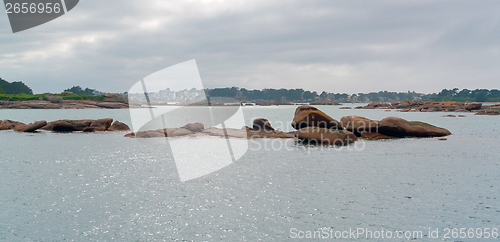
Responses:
[262,124]
[473,106]
[59,126]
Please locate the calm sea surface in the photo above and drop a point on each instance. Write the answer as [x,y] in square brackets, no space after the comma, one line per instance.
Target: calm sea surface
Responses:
[102,186]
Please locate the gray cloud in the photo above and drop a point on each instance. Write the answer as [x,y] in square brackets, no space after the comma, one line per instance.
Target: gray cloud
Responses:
[337,46]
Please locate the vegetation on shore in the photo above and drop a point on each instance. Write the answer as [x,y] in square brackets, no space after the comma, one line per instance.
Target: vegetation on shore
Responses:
[43,97]
[300,95]
[18,91]
[14,87]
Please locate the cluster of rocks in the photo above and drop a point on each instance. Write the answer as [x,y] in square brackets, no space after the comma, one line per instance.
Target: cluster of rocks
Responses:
[261,129]
[312,126]
[315,126]
[391,127]
[427,106]
[65,125]
[110,101]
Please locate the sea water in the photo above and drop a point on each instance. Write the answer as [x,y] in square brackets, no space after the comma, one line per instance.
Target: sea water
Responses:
[103,186]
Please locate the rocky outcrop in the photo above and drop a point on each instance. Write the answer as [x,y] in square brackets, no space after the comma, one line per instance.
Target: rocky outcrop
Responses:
[391,127]
[473,106]
[317,135]
[32,127]
[119,126]
[198,129]
[427,106]
[115,97]
[309,116]
[79,125]
[67,125]
[9,124]
[398,127]
[376,105]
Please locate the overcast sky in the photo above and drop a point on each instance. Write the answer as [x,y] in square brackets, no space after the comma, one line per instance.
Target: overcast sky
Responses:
[336,46]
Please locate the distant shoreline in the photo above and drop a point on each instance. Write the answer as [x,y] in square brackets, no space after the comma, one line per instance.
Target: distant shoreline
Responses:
[65,104]
[88,104]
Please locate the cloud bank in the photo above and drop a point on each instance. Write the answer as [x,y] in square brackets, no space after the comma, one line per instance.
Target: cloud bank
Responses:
[336,46]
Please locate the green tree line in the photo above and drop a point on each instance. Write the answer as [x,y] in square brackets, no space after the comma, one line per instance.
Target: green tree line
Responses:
[14,87]
[301,95]
[8,91]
